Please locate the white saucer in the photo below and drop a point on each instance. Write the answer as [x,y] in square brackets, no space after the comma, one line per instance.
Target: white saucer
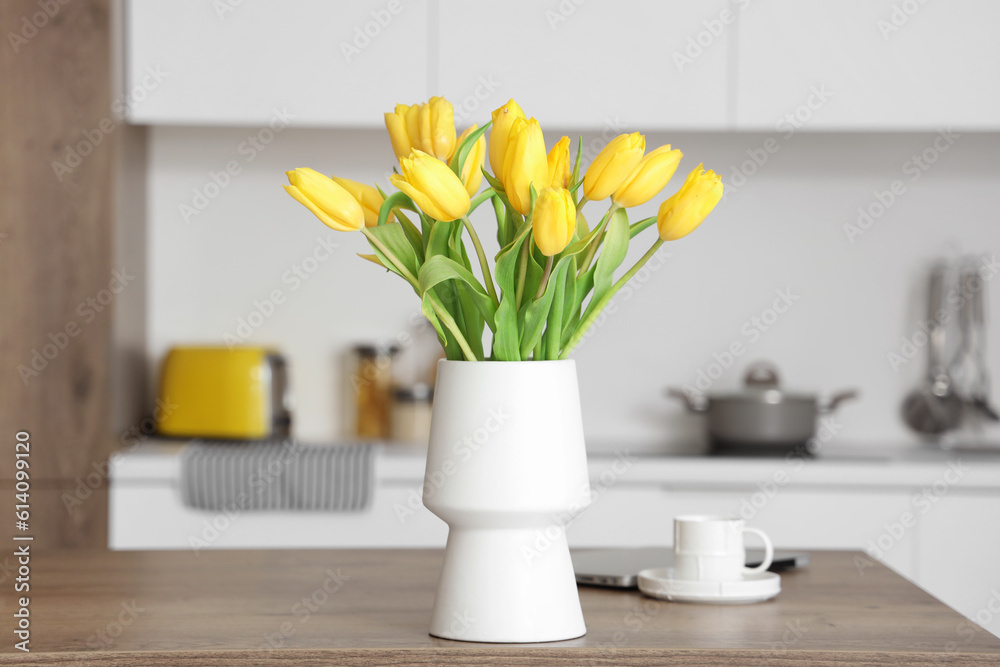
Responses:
[753,587]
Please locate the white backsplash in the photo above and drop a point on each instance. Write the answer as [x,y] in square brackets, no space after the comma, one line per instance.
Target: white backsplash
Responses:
[224,240]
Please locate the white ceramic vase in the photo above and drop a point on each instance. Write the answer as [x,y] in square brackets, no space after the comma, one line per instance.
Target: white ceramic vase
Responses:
[507,471]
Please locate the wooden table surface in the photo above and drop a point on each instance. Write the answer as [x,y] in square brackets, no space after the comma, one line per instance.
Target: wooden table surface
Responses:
[372,607]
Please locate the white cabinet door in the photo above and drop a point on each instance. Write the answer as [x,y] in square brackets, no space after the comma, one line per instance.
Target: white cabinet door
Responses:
[880,64]
[241,62]
[960,559]
[623,65]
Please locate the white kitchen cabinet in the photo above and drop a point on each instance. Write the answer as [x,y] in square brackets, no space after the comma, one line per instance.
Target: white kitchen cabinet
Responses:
[244,62]
[959,547]
[594,65]
[881,64]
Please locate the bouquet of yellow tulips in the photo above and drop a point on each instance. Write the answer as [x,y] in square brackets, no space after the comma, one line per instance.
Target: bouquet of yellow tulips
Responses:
[554,274]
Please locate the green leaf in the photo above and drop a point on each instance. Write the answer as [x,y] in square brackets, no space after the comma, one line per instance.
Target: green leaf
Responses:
[505,231]
[553,328]
[373,259]
[582,226]
[395,200]
[613,250]
[472,322]
[493,181]
[506,339]
[452,349]
[413,235]
[574,180]
[584,284]
[437,243]
[568,305]
[394,238]
[537,310]
[640,226]
[462,150]
[456,246]
[440,269]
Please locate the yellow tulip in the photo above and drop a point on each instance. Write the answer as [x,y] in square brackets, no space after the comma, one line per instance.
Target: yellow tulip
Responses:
[429,127]
[328,201]
[558,162]
[613,165]
[648,178]
[554,221]
[685,210]
[472,170]
[369,198]
[524,163]
[432,185]
[503,119]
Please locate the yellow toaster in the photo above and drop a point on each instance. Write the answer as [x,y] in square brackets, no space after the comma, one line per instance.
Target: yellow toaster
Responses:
[238,393]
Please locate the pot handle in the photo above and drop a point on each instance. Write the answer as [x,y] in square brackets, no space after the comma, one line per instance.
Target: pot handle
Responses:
[689,401]
[831,404]
[761,374]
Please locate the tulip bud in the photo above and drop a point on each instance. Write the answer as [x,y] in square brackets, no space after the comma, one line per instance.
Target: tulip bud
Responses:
[554,220]
[395,123]
[429,127]
[558,162]
[648,178]
[433,186]
[503,118]
[613,165]
[369,198]
[685,210]
[328,201]
[472,170]
[525,163]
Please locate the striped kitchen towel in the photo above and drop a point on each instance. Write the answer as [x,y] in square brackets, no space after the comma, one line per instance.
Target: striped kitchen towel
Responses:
[277,476]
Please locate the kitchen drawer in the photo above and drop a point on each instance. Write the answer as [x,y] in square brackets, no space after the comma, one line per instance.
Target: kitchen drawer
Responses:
[152,517]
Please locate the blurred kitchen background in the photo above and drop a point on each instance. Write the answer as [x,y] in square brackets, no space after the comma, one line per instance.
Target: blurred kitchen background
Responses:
[858,143]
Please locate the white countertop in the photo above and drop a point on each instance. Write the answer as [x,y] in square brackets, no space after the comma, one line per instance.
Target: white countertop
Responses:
[159,463]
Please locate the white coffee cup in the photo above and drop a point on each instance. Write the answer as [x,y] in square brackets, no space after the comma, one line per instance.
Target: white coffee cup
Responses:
[710,548]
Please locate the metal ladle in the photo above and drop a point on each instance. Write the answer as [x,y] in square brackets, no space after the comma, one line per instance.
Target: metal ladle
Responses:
[935,408]
[976,322]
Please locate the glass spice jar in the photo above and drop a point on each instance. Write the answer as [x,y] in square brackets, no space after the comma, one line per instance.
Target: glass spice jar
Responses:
[411,414]
[368,391]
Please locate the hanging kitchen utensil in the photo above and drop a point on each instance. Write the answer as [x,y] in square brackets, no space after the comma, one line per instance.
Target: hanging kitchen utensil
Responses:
[934,409]
[979,385]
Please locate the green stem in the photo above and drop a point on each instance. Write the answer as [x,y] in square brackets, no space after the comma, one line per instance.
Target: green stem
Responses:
[581,204]
[439,310]
[598,237]
[545,278]
[581,330]
[483,264]
[525,249]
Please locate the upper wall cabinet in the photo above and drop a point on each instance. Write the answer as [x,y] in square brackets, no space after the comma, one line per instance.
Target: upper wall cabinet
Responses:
[625,65]
[244,62]
[622,65]
[869,65]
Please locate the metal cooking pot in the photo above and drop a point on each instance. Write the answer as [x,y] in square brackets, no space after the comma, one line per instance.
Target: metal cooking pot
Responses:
[762,418]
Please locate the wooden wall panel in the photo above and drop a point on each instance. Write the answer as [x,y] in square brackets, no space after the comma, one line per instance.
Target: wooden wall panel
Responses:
[57,139]
[56,217]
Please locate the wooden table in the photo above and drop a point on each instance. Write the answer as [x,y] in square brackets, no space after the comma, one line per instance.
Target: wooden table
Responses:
[372,607]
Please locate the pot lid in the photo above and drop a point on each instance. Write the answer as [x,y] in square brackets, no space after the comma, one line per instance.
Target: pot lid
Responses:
[762,384]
